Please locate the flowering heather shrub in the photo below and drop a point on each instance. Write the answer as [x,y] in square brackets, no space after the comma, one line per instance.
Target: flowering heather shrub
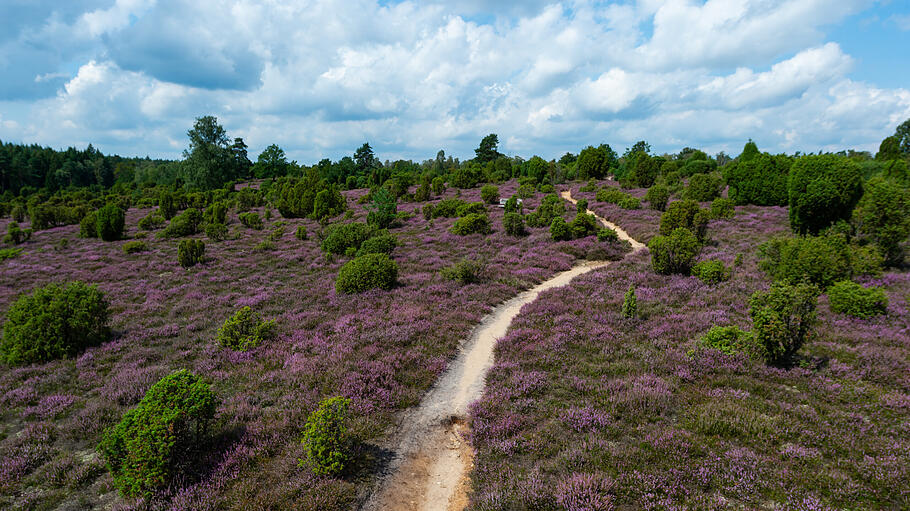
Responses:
[367,272]
[251,219]
[472,223]
[54,322]
[134,247]
[657,197]
[466,271]
[560,230]
[326,439]
[16,235]
[722,207]
[514,224]
[782,319]
[342,238]
[152,221]
[489,194]
[216,232]
[381,244]
[88,226]
[850,298]
[190,252]
[144,450]
[674,253]
[711,271]
[630,303]
[245,330]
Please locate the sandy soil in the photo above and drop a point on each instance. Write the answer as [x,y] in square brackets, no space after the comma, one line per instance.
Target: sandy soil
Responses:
[433,460]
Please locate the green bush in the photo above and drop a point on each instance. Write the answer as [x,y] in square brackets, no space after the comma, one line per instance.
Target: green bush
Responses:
[88,226]
[882,217]
[679,214]
[514,224]
[850,298]
[473,223]
[823,189]
[630,303]
[703,187]
[439,186]
[590,186]
[674,253]
[54,322]
[583,225]
[657,197]
[264,246]
[328,203]
[466,271]
[581,206]
[216,232]
[611,195]
[447,208]
[146,448]
[471,208]
[245,330]
[300,234]
[277,232]
[546,188]
[711,271]
[16,235]
[512,205]
[560,230]
[166,205]
[729,340]
[382,244]
[326,440]
[550,207]
[190,252]
[9,253]
[525,191]
[722,208]
[184,224]
[761,180]
[152,221]
[109,223]
[782,319]
[382,209]
[605,234]
[134,247]
[489,194]
[216,213]
[821,260]
[342,237]
[629,202]
[251,220]
[366,272]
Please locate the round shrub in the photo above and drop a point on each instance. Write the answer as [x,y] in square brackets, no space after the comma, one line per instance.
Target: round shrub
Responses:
[184,224]
[823,189]
[474,223]
[366,272]
[216,232]
[550,207]
[821,260]
[301,234]
[54,322]
[729,340]
[383,208]
[109,223]
[657,197]
[782,319]
[629,202]
[560,230]
[583,225]
[882,217]
[525,191]
[326,439]
[703,187]
[151,221]
[760,180]
[605,234]
[581,206]
[674,253]
[513,224]
[711,271]
[382,244]
[722,208]
[134,247]
[489,194]
[610,195]
[339,238]
[438,185]
[245,330]
[678,214]
[16,235]
[512,205]
[88,226]
[190,252]
[216,213]
[447,208]
[146,448]
[465,271]
[251,220]
[471,208]
[852,299]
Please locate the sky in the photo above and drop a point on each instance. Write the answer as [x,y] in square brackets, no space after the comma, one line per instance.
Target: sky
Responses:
[320,77]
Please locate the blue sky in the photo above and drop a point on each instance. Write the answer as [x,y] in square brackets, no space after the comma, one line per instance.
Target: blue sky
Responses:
[320,77]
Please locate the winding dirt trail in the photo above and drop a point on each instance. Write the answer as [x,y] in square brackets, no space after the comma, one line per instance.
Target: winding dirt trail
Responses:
[433,460]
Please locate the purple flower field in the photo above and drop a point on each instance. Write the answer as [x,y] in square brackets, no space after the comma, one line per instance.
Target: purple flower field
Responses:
[381,349]
[586,410]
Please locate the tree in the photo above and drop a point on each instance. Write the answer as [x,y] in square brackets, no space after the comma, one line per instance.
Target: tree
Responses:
[903,136]
[365,159]
[822,190]
[208,160]
[271,163]
[242,163]
[883,217]
[595,162]
[488,149]
[750,151]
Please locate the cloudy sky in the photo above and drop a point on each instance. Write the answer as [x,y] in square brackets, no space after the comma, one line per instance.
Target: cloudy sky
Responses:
[320,77]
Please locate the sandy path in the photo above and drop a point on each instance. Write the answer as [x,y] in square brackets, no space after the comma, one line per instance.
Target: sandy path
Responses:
[433,460]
